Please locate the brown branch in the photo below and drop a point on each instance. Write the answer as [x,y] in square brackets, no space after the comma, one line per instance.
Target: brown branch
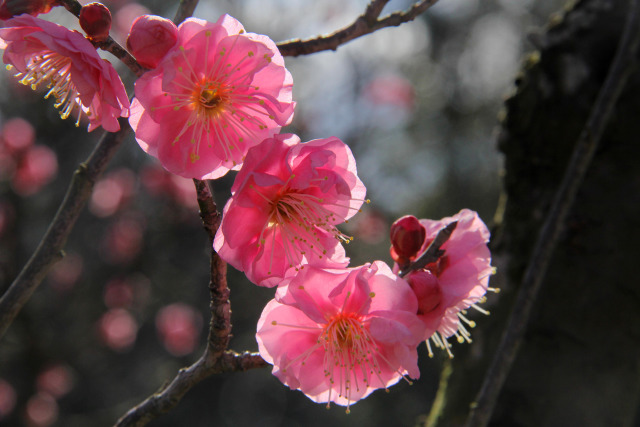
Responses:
[113,47]
[185,10]
[168,397]
[110,45]
[366,23]
[433,252]
[581,158]
[216,358]
[208,212]
[49,250]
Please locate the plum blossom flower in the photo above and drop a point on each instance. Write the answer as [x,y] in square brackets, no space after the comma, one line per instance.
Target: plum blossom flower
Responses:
[44,53]
[286,202]
[456,282]
[219,92]
[338,335]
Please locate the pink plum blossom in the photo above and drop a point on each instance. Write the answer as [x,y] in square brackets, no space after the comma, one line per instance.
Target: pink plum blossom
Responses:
[457,281]
[339,334]
[286,202]
[211,98]
[44,53]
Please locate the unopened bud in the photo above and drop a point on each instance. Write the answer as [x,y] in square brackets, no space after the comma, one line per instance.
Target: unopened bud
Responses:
[150,38]
[11,8]
[95,20]
[407,237]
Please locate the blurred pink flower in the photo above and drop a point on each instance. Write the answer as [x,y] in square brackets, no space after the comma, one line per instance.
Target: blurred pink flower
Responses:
[17,135]
[220,92]
[457,281]
[391,90]
[56,380]
[8,398]
[112,192]
[338,335]
[178,327]
[118,329]
[118,293]
[42,410]
[123,240]
[286,202]
[63,60]
[158,182]
[37,166]
[66,272]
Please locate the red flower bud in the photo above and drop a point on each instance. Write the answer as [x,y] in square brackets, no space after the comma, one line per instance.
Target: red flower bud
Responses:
[150,38]
[11,8]
[95,20]
[407,237]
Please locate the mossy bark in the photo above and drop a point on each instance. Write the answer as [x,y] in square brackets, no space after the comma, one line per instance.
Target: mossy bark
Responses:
[580,362]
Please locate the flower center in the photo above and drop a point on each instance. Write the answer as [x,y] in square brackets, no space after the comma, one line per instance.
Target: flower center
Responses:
[302,220]
[218,102]
[350,353]
[210,98]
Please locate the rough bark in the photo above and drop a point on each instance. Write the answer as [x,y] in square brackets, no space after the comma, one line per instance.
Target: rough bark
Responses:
[580,362]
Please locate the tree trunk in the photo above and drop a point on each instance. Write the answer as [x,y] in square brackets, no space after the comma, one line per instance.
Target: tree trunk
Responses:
[579,364]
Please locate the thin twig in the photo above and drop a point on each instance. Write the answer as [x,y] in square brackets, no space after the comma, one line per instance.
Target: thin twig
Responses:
[168,397]
[216,358]
[433,252]
[49,250]
[110,45]
[366,23]
[550,231]
[185,10]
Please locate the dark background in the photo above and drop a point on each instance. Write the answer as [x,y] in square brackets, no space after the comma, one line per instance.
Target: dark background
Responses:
[420,106]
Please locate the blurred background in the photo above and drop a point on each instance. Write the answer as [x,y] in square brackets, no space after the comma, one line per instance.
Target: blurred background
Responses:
[128,305]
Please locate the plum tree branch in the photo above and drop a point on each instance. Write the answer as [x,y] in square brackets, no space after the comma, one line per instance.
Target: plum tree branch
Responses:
[110,45]
[168,397]
[366,23]
[185,10]
[50,249]
[216,358]
[549,234]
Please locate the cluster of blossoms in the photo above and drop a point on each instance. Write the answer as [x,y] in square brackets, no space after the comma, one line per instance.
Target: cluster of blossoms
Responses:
[67,64]
[214,100]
